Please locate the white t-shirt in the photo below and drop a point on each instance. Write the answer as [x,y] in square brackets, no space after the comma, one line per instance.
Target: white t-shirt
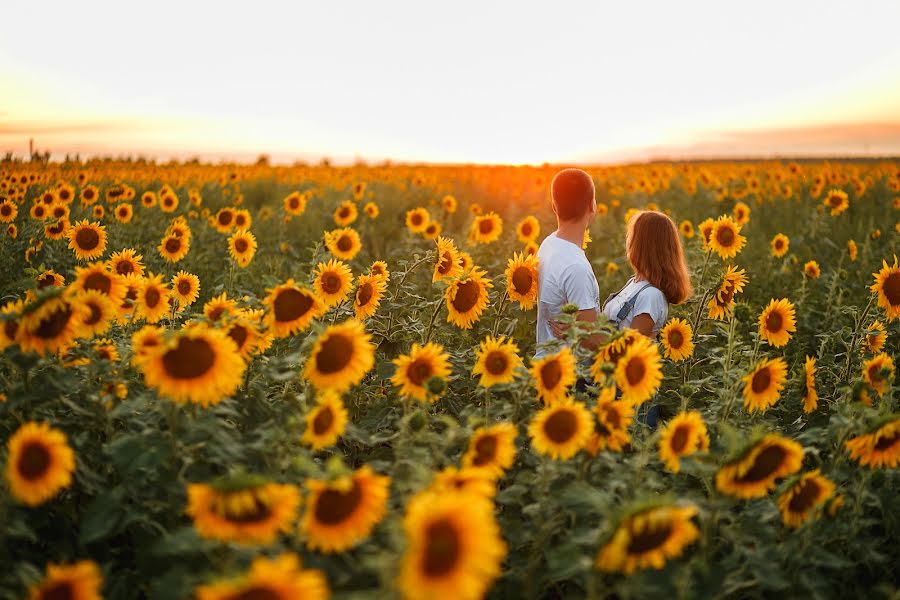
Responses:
[651,301]
[564,277]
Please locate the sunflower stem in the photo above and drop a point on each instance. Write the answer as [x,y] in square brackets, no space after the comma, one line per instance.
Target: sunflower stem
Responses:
[499,313]
[434,314]
[855,339]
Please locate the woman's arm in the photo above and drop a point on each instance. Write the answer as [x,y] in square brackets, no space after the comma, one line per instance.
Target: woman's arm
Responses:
[644,324]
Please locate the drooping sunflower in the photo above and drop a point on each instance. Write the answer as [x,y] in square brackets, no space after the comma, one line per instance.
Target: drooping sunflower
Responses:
[800,502]
[280,578]
[379,268]
[780,245]
[684,435]
[417,219]
[49,278]
[878,371]
[492,448]
[522,279]
[341,357]
[777,322]
[333,282]
[416,368]
[649,538]
[612,351]
[561,429]
[341,513]
[553,375]
[467,297]
[325,422]
[811,270]
[77,581]
[56,230]
[880,447]
[810,396]
[40,463]
[763,385]
[875,337]
[528,229]
[754,472]
[11,314]
[479,482]
[185,288]
[197,364]
[220,307]
[244,333]
[242,508]
[291,308]
[49,327]
[726,239]
[242,247]
[614,417]
[722,302]
[126,263]
[852,250]
[454,547]
[678,339]
[87,239]
[173,248]
[496,361]
[346,213]
[369,291]
[887,286]
[466,261]
[448,262]
[706,228]
[125,308]
[224,219]
[344,243]
[837,201]
[639,372]
[152,302]
[106,350]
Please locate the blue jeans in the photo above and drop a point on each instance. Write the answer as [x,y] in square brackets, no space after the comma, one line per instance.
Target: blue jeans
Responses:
[648,413]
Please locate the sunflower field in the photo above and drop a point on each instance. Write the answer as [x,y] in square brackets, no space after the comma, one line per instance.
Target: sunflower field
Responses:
[277,382]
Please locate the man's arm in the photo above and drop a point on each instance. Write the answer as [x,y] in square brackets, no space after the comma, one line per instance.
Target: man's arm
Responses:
[591,342]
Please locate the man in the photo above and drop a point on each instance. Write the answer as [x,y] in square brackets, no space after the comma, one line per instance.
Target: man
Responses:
[564,274]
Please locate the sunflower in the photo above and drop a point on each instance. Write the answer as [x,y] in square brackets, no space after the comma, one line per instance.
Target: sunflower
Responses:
[369,291]
[496,361]
[722,302]
[613,419]
[467,297]
[837,201]
[492,449]
[295,203]
[224,219]
[145,341]
[152,302]
[242,219]
[528,229]
[522,279]
[77,581]
[106,350]
[341,357]
[432,230]
[87,239]
[639,372]
[125,308]
[242,246]
[880,447]
[454,547]
[754,472]
[242,508]
[741,214]
[417,220]
[479,482]
[561,429]
[810,396]
[726,239]
[416,368]
[244,333]
[219,307]
[466,261]
[40,463]
[89,195]
[11,315]
[148,199]
[762,385]
[780,244]
[333,282]
[326,422]
[379,268]
[179,228]
[341,513]
[448,263]
[185,288]
[345,214]
[56,230]
[852,250]
[9,210]
[280,578]
[371,210]
[878,371]
[448,203]
[531,249]
[197,364]
[343,243]
[612,351]
[687,229]
[648,538]
[553,375]
[587,239]
[677,339]
[684,435]
[887,286]
[291,308]
[124,213]
[50,327]
[168,201]
[39,211]
[173,248]
[875,337]
[777,321]
[98,212]
[811,269]
[126,263]
[799,503]
[49,278]
[706,228]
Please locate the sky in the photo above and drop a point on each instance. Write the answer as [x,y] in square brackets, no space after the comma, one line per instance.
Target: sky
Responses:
[452,82]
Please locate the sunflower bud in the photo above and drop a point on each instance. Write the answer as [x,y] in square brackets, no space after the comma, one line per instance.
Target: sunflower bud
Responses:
[417,421]
[570,309]
[607,368]
[686,391]
[742,313]
[436,385]
[843,274]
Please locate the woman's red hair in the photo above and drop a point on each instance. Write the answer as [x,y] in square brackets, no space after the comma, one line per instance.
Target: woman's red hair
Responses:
[655,253]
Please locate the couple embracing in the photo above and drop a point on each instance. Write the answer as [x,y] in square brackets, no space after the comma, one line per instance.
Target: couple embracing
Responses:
[566,277]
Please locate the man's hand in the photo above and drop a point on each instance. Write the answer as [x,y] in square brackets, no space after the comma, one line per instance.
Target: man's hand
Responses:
[559,329]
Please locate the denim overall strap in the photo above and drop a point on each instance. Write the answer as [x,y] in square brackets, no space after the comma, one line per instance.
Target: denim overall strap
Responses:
[629,305]
[614,294]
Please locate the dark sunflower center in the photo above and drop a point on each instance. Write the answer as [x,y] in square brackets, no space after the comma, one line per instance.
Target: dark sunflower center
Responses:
[679,439]
[891,288]
[419,371]
[725,236]
[6,210]
[875,373]
[496,363]
[676,339]
[323,421]
[87,239]
[561,426]
[335,354]
[95,316]
[887,441]
[649,539]
[344,243]
[225,218]
[522,280]
[184,287]
[446,263]
[761,381]
[55,324]
[613,417]
[806,497]
[466,297]
[766,463]
[416,219]
[486,226]
[216,313]
[779,244]
[151,297]
[774,322]
[485,450]
[331,283]
[334,506]
[442,549]
[835,200]
[290,305]
[173,245]
[260,511]
[635,371]
[45,281]
[34,461]
[257,592]
[526,229]
[240,221]
[124,267]
[239,334]
[344,213]
[10,328]
[295,203]
[727,293]
[189,359]
[364,294]
[58,591]
[240,245]
[551,374]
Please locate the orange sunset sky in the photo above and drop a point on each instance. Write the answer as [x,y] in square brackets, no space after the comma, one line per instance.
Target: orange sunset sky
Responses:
[488,82]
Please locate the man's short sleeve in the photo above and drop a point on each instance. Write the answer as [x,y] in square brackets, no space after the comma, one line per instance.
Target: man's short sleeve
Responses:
[580,286]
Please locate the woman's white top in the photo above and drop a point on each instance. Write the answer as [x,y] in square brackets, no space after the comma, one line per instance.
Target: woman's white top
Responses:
[651,301]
